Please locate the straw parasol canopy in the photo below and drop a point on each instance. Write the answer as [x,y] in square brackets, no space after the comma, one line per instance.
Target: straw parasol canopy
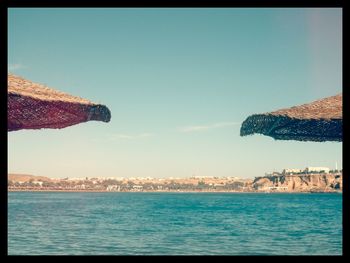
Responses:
[318,121]
[35,106]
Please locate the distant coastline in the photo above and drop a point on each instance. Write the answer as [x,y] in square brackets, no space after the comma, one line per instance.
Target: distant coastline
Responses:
[273,183]
[228,192]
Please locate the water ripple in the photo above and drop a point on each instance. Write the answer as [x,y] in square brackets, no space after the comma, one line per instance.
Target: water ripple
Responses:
[174,224]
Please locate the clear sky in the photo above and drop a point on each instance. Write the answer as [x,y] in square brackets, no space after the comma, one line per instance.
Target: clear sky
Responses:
[179,82]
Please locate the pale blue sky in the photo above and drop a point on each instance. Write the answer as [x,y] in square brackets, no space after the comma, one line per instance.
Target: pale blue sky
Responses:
[179,82]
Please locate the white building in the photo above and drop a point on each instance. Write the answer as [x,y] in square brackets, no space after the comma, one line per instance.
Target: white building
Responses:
[137,187]
[277,188]
[113,188]
[291,171]
[317,169]
[38,183]
[80,186]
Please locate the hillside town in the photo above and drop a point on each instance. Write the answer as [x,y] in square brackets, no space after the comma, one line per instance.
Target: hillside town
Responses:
[318,179]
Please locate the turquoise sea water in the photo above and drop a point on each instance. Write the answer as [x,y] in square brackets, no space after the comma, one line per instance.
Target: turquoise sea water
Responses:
[174,223]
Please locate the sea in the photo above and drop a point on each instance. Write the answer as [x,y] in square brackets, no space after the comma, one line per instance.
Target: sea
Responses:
[129,223]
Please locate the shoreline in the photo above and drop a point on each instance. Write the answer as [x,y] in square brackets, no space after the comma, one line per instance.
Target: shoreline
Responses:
[232,192]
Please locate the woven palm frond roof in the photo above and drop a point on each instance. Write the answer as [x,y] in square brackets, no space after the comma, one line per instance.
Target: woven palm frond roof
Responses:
[20,86]
[35,106]
[327,108]
[320,120]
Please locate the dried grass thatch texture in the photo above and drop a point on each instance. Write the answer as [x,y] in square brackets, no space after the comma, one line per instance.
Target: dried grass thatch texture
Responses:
[35,106]
[319,121]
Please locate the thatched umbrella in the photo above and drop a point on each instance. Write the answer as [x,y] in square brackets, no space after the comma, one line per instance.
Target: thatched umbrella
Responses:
[318,121]
[35,106]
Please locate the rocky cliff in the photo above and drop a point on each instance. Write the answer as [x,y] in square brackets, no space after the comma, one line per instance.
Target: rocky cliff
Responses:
[299,183]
